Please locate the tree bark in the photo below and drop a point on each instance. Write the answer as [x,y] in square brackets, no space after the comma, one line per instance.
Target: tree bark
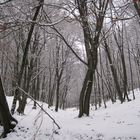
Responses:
[137,6]
[91,47]
[114,73]
[16,96]
[5,116]
[120,45]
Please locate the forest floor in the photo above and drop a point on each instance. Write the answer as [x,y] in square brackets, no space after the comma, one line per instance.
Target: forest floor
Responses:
[116,122]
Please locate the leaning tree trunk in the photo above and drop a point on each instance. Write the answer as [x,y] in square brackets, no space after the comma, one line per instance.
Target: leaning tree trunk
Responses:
[120,45]
[114,73]
[27,78]
[16,96]
[5,116]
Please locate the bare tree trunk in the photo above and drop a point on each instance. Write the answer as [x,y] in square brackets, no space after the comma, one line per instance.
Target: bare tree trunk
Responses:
[34,93]
[109,80]
[16,96]
[87,87]
[28,73]
[95,92]
[57,76]
[51,91]
[5,115]
[131,73]
[137,6]
[120,45]
[91,47]
[101,76]
[99,92]
[114,73]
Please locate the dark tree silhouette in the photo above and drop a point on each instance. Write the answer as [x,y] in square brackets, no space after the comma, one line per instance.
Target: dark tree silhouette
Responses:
[91,42]
[7,121]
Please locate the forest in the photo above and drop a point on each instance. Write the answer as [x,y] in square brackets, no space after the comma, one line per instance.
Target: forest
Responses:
[68,54]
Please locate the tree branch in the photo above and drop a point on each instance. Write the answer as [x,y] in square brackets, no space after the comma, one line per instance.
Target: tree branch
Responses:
[2,3]
[39,106]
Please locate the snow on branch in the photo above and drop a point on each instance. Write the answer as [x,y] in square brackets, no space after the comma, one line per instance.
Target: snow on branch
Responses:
[4,25]
[4,2]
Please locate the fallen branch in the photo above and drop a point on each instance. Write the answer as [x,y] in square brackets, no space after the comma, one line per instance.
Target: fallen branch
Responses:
[39,106]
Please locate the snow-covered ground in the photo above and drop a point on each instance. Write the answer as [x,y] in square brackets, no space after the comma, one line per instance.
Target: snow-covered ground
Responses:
[117,122]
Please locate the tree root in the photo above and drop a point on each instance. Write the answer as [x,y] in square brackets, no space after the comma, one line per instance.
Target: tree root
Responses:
[12,125]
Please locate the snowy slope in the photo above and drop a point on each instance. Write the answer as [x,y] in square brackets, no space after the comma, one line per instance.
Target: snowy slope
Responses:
[117,122]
